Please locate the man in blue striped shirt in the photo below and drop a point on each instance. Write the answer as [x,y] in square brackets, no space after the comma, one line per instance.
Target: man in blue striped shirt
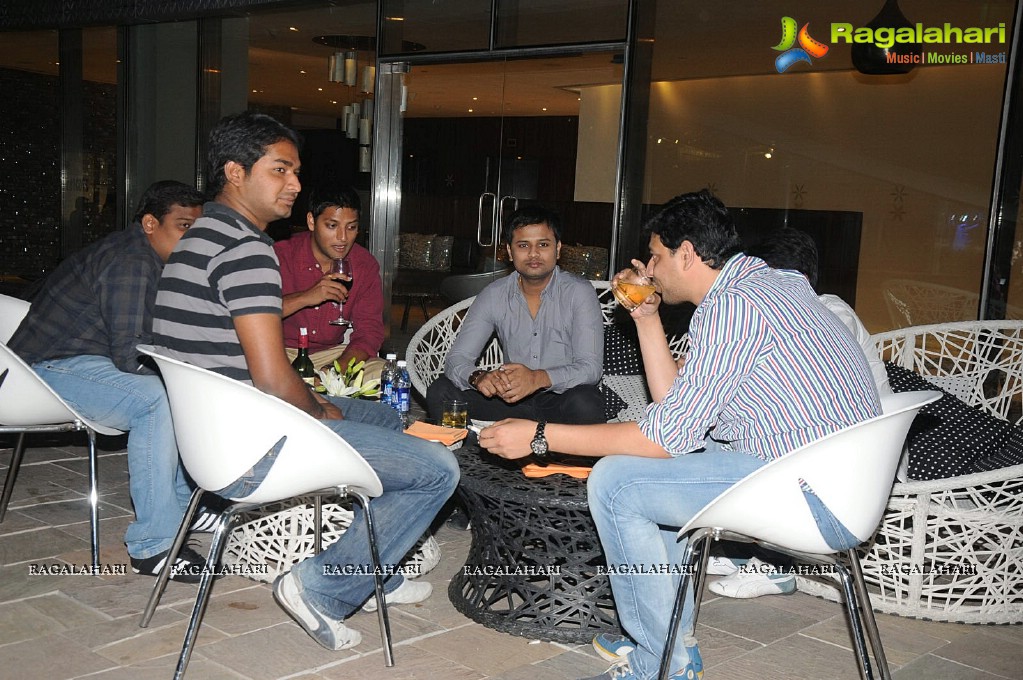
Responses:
[769,369]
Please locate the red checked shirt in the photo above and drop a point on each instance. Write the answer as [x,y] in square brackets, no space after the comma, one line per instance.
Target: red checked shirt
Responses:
[364,308]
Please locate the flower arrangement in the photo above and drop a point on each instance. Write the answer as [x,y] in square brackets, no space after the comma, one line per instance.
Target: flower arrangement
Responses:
[349,382]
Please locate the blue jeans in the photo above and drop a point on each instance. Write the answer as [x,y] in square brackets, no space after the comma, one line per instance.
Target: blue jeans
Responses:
[418,477]
[638,505]
[136,403]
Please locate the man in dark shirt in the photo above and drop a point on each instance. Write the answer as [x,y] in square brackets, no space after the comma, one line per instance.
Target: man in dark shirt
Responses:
[80,336]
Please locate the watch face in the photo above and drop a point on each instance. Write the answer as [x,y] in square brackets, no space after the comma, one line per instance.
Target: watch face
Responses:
[539,446]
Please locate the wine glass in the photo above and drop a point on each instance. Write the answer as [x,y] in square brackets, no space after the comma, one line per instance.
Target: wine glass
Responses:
[632,287]
[341,271]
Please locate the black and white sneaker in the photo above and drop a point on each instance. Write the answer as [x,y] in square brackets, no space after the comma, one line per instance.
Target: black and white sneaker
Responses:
[204,521]
[187,568]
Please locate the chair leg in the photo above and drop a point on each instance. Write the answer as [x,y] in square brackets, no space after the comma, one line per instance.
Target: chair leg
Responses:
[867,615]
[404,314]
[202,598]
[699,540]
[378,586]
[852,609]
[93,497]
[318,525]
[164,575]
[12,474]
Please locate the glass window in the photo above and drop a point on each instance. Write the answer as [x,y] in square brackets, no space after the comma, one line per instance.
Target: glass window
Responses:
[891,174]
[522,23]
[95,213]
[30,174]
[428,26]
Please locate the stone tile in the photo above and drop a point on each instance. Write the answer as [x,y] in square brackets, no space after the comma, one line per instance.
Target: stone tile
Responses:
[35,546]
[410,663]
[20,621]
[795,657]
[568,665]
[280,650]
[717,646]
[110,632]
[901,645]
[485,650]
[163,668]
[243,610]
[930,667]
[74,511]
[981,650]
[154,642]
[49,657]
[752,619]
[16,584]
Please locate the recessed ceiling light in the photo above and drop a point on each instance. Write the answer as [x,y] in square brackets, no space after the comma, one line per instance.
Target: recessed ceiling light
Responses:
[292,28]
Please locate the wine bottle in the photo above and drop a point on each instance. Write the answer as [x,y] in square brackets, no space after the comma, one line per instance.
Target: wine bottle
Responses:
[302,363]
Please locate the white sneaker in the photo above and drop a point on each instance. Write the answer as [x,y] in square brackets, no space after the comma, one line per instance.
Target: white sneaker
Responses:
[723,566]
[409,592]
[755,579]
[331,634]
[424,556]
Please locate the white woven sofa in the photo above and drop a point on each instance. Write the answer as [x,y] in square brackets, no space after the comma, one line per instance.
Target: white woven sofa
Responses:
[429,346]
[974,521]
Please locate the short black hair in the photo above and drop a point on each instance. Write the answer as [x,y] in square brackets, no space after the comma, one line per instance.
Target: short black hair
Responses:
[789,248]
[242,138]
[343,197]
[161,196]
[534,214]
[700,218]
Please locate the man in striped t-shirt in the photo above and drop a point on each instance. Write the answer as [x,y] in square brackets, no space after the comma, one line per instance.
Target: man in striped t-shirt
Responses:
[219,306]
[769,369]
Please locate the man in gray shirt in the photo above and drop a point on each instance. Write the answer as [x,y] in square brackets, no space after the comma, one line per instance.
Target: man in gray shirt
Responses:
[550,327]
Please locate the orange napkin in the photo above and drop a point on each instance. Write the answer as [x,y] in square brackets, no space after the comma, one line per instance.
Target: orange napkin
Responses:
[435,433]
[534,470]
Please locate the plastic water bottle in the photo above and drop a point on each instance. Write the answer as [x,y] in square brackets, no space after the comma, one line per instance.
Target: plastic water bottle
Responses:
[387,376]
[402,392]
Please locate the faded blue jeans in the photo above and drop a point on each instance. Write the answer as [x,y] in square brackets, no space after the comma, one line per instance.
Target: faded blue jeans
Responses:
[136,403]
[418,478]
[638,505]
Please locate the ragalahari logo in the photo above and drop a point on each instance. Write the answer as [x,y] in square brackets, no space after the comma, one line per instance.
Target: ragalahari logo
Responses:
[808,49]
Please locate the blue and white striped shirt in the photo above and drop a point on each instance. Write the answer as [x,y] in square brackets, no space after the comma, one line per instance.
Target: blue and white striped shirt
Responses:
[769,369]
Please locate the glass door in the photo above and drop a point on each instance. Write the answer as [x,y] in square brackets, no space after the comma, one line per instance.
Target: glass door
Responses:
[481,139]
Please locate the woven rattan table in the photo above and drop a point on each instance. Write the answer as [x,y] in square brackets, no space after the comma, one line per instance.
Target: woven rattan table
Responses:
[533,566]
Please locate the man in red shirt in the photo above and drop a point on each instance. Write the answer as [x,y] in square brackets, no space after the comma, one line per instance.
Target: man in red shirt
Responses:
[310,290]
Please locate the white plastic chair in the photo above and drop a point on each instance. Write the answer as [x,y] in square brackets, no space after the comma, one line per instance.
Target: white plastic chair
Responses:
[28,405]
[223,427]
[851,471]
[12,311]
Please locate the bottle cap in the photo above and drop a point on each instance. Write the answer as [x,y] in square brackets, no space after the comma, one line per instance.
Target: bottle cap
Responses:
[402,363]
[391,356]
[303,331]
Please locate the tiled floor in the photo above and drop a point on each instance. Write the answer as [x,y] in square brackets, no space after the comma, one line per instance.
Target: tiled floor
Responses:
[62,626]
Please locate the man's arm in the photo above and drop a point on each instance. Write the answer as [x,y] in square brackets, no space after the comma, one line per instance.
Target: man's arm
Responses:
[126,292]
[262,341]
[365,308]
[511,438]
[475,331]
[324,290]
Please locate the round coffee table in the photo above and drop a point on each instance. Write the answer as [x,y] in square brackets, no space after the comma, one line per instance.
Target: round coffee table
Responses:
[533,566]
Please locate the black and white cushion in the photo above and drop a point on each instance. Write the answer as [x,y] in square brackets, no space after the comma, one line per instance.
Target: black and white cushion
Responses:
[948,436]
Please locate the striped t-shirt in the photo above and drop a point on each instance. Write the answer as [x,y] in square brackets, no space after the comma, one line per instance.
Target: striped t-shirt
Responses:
[769,369]
[222,268]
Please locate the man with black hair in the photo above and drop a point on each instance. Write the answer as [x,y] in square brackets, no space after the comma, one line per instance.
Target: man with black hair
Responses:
[550,327]
[310,289]
[769,369]
[80,336]
[219,307]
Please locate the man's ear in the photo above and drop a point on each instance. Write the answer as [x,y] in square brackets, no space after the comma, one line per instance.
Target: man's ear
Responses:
[149,223]
[234,172]
[310,221]
[687,254]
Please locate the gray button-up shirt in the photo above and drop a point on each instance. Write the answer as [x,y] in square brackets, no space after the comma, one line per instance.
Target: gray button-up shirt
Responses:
[566,338]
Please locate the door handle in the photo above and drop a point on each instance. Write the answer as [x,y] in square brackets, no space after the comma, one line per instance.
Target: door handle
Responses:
[479,219]
[500,221]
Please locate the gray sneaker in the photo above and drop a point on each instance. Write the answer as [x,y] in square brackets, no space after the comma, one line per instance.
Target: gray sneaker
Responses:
[331,634]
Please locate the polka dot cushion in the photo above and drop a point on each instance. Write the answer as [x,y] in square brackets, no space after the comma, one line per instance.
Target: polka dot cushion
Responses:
[948,436]
[1011,454]
[621,357]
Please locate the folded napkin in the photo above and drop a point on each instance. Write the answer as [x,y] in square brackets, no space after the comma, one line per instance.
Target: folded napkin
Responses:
[534,470]
[435,433]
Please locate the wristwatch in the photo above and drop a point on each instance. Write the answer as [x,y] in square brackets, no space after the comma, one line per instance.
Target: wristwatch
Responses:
[539,444]
[475,377]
